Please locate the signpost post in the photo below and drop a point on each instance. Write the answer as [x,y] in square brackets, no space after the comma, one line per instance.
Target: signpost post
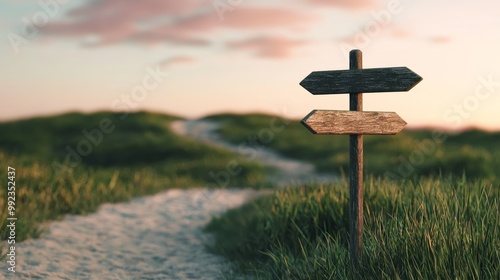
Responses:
[356,123]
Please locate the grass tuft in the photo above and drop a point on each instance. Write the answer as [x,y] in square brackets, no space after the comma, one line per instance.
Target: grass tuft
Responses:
[433,229]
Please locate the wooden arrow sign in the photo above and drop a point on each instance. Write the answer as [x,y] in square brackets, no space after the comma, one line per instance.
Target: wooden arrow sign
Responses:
[353,122]
[361,80]
[357,122]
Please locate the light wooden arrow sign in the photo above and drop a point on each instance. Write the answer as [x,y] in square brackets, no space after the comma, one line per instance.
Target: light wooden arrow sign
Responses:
[361,80]
[353,122]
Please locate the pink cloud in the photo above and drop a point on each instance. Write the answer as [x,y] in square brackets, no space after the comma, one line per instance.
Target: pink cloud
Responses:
[399,32]
[186,22]
[256,17]
[268,47]
[181,22]
[127,9]
[115,21]
[440,39]
[181,59]
[346,4]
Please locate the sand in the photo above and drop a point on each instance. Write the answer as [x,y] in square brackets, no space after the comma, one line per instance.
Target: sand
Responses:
[156,237]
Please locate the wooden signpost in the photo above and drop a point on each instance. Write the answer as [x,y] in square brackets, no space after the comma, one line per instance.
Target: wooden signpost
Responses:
[356,123]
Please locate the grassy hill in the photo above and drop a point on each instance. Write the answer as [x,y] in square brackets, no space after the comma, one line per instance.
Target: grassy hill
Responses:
[428,229]
[72,163]
[409,154]
[431,198]
[431,206]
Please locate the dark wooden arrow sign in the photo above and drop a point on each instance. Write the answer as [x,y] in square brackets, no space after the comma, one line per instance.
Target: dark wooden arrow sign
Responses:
[361,80]
[353,122]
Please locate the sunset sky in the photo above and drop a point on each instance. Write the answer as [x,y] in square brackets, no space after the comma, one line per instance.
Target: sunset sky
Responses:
[247,56]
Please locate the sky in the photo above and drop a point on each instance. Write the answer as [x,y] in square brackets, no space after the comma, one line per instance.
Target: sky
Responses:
[194,58]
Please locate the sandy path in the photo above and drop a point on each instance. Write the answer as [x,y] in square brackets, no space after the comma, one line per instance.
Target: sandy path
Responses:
[156,237]
[288,170]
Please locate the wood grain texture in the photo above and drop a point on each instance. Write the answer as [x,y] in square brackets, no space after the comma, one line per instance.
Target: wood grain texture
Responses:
[361,80]
[356,173]
[353,122]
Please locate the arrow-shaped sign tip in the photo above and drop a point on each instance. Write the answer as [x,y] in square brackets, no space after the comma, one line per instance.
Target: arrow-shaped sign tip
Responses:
[303,83]
[306,125]
[412,79]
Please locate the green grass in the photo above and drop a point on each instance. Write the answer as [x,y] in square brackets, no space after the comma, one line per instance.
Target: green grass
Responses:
[424,225]
[409,154]
[141,156]
[420,223]
[420,229]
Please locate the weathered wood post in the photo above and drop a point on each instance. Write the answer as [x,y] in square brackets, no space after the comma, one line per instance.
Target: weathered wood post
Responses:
[356,171]
[355,123]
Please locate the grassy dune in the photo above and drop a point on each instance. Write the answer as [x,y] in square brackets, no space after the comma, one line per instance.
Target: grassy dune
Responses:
[431,207]
[60,169]
[432,199]
[409,154]
[427,229]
